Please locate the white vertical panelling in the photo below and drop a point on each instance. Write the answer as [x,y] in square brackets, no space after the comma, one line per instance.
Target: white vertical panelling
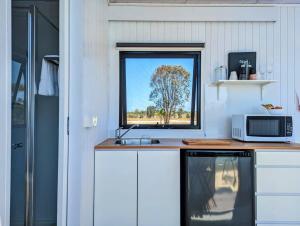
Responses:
[214,46]
[208,46]
[88,97]
[180,31]
[270,49]
[187,32]
[139,33]
[291,60]
[195,32]
[249,35]
[270,95]
[242,35]
[277,65]
[227,41]
[154,31]
[274,43]
[262,51]
[146,31]
[235,36]
[284,57]
[256,42]
[221,43]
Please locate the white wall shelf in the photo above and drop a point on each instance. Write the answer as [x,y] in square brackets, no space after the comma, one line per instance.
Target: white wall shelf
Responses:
[244,82]
[260,83]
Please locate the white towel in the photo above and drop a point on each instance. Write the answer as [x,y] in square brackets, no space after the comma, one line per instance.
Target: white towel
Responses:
[49,79]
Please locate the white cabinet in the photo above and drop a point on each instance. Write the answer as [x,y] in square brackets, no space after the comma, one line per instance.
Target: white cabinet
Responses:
[115,201]
[277,187]
[278,208]
[159,188]
[137,188]
[278,180]
[278,158]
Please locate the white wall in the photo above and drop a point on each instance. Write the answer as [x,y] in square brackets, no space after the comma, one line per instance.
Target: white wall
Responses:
[274,42]
[5,108]
[88,97]
[94,73]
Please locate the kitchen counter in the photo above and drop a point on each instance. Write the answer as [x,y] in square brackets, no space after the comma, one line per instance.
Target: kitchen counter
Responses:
[177,144]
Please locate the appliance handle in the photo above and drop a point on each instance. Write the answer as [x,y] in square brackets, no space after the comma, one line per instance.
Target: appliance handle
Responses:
[217,153]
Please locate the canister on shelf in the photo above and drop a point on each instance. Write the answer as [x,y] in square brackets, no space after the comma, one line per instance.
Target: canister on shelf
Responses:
[221,73]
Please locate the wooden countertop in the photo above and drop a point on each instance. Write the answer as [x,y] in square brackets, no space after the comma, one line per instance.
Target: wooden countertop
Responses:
[177,144]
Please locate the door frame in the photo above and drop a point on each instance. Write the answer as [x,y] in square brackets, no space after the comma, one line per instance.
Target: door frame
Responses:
[63,142]
[5,112]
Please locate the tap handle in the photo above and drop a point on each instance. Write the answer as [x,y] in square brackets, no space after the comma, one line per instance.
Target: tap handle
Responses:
[118,132]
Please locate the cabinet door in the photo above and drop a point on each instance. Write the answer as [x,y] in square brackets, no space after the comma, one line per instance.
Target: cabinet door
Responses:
[159,188]
[115,188]
[278,180]
[277,187]
[278,209]
[278,158]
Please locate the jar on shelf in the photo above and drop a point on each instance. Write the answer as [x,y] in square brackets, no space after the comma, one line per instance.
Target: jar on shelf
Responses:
[221,73]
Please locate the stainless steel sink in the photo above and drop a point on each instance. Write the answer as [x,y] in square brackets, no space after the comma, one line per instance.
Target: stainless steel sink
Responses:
[136,141]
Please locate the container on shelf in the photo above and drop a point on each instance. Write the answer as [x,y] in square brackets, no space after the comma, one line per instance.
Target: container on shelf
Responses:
[220,73]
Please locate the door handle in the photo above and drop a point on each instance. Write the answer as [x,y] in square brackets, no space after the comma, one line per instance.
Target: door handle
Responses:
[17,145]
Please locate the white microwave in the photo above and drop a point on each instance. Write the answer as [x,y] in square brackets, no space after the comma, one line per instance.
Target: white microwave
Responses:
[262,128]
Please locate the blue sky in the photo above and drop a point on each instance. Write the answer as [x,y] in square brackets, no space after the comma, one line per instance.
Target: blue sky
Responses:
[138,76]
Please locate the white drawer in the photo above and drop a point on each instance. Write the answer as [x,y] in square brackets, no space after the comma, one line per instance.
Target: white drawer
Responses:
[283,158]
[278,180]
[278,208]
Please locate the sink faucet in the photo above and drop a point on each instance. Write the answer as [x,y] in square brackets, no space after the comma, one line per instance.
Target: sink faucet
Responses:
[118,131]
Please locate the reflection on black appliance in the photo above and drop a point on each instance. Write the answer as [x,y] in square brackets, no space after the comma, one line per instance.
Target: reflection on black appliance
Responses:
[218,189]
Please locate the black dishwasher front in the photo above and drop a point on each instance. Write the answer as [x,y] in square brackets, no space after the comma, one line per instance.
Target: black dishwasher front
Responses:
[217,188]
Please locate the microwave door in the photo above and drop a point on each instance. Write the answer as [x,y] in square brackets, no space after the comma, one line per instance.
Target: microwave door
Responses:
[258,126]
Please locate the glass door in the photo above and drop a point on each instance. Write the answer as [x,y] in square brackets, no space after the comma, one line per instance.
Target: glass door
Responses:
[34,152]
[21,88]
[219,189]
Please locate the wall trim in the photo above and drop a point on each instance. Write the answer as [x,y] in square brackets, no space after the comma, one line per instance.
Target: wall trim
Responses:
[184,13]
[63,146]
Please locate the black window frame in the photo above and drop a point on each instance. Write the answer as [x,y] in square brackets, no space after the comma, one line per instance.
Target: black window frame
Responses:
[196,89]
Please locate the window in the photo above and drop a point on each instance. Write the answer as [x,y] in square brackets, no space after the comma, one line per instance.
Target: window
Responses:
[160,90]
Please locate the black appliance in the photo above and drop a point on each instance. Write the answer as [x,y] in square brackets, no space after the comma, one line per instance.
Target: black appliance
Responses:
[217,188]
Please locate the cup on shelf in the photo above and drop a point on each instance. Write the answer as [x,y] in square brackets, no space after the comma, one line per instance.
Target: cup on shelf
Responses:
[252,77]
[233,76]
[259,76]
